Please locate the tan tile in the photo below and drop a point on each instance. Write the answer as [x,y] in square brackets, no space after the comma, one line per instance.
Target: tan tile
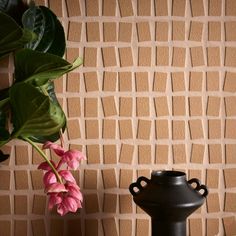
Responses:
[126,8]
[109,32]
[161,154]
[109,227]
[91,7]
[91,203]
[214,7]
[161,31]
[197,8]
[126,153]
[109,56]
[90,179]
[144,7]
[110,202]
[143,31]
[161,7]
[109,8]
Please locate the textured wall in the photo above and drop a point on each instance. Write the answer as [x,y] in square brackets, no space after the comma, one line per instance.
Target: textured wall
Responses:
[157,91]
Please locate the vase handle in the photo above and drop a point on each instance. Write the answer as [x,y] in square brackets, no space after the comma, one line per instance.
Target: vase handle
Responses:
[138,185]
[199,186]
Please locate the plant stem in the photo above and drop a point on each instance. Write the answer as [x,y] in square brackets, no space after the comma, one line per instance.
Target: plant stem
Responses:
[34,145]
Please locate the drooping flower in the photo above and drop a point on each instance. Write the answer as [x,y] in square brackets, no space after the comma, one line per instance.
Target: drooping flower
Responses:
[71,157]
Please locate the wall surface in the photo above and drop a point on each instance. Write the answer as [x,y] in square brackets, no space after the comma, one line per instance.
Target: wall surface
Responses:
[156,91]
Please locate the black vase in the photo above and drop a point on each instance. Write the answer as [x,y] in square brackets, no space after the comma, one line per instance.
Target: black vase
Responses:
[169,199]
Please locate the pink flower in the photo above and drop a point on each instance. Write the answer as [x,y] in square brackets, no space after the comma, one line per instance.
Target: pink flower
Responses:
[68,201]
[71,157]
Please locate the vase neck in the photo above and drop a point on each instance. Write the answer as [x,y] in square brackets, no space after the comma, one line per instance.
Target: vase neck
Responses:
[168,177]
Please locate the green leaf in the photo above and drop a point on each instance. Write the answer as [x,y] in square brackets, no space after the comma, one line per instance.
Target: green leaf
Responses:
[49,88]
[12,36]
[4,134]
[43,22]
[33,113]
[38,68]
[13,8]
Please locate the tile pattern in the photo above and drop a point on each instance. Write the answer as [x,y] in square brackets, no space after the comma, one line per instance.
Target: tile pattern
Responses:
[156,91]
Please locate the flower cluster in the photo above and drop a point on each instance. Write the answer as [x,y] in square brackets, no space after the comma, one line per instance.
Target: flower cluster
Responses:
[59,183]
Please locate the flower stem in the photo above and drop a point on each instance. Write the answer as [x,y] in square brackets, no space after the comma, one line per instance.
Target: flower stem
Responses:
[34,145]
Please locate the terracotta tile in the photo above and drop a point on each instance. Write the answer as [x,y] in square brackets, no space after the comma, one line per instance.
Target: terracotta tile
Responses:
[195,227]
[39,205]
[178,30]
[125,129]
[213,56]
[73,128]
[213,203]
[20,204]
[214,129]
[126,153]
[162,129]
[126,8]
[126,178]
[161,154]
[21,179]
[229,225]
[230,58]
[197,8]
[109,129]
[178,59]
[212,226]
[93,154]
[90,107]
[197,153]
[91,129]
[91,227]
[73,106]
[196,79]
[125,81]
[110,154]
[5,227]
[195,106]
[126,57]
[144,154]
[141,81]
[179,153]
[230,177]
[143,31]
[178,106]
[213,106]
[20,227]
[125,204]
[230,199]
[230,153]
[110,202]
[5,178]
[91,203]
[90,179]
[92,30]
[230,108]
[212,177]
[38,227]
[162,56]
[196,129]
[212,82]
[74,226]
[144,7]
[214,31]
[161,7]
[109,178]
[144,129]
[196,30]
[230,82]
[229,130]
[125,32]
[73,82]
[197,56]
[142,106]
[161,31]
[178,7]
[160,80]
[73,8]
[109,81]
[109,56]
[214,7]
[91,7]
[109,8]
[144,56]
[109,32]
[126,106]
[109,227]
[109,106]
[142,227]
[91,81]
[230,8]
[56,227]
[74,31]
[161,106]
[125,227]
[56,7]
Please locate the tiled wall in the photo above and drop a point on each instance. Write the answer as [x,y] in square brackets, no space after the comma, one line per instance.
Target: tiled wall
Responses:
[156,91]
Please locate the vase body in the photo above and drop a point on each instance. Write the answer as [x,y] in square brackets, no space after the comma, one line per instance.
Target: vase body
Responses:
[169,199]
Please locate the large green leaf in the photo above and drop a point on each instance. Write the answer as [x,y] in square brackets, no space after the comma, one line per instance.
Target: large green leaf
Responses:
[14,8]
[4,134]
[12,36]
[43,22]
[49,88]
[38,68]
[33,113]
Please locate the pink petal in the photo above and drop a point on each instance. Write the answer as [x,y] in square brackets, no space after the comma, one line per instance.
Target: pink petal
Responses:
[49,178]
[70,203]
[56,188]
[66,175]
[54,199]
[62,210]
[74,191]
[55,147]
